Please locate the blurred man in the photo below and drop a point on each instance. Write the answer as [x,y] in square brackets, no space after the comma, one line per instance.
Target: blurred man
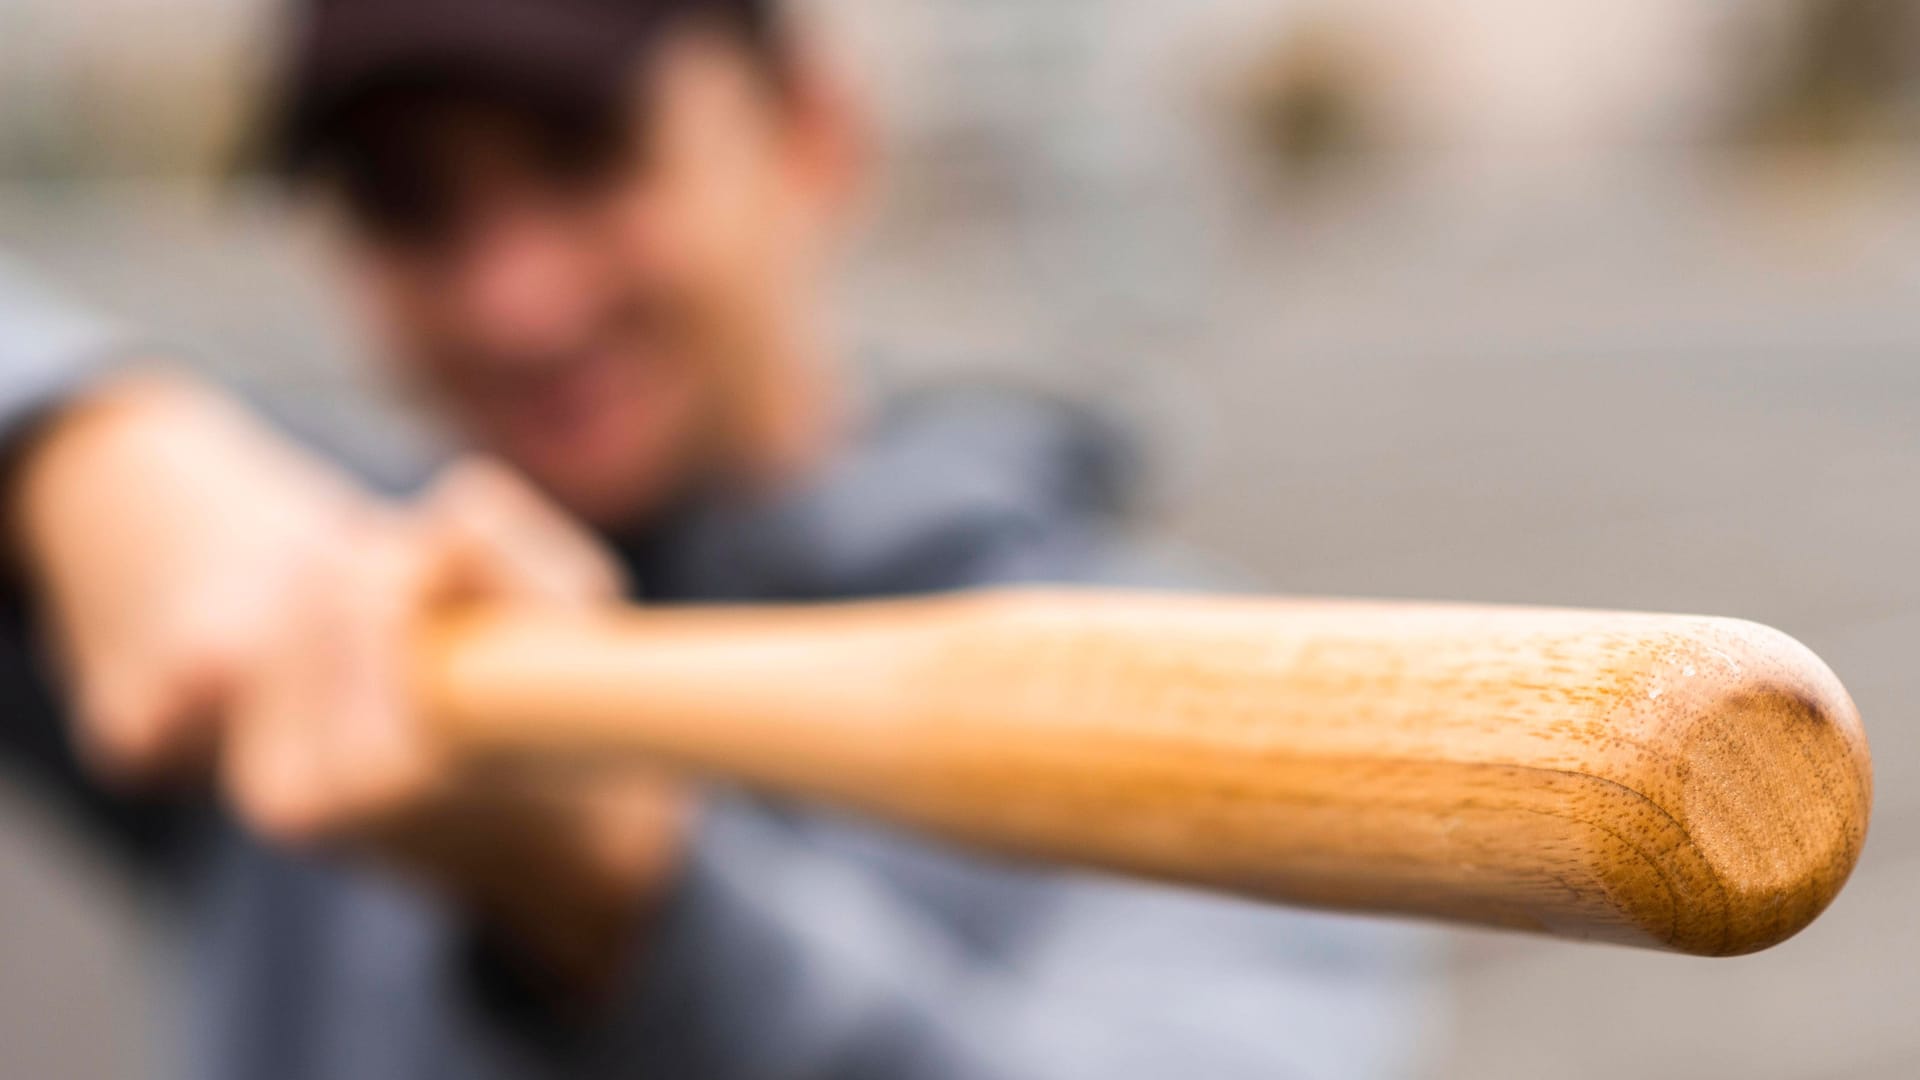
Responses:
[595,235]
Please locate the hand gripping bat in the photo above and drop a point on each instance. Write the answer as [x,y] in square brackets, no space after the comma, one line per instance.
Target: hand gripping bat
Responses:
[1693,784]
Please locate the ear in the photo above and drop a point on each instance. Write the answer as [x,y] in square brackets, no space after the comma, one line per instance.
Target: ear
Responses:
[830,133]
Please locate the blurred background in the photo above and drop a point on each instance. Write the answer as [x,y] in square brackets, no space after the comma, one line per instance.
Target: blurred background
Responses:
[1600,302]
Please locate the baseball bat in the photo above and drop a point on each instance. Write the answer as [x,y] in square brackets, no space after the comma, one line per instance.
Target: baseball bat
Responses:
[1694,784]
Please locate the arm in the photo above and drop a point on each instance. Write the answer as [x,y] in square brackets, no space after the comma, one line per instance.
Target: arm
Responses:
[52,354]
[162,530]
[766,948]
[146,521]
[158,542]
[49,350]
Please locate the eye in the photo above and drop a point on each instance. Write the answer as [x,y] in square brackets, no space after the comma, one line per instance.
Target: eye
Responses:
[405,218]
[583,155]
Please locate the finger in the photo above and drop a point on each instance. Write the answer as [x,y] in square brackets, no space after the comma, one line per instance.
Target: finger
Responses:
[511,543]
[328,743]
[136,727]
[147,700]
[271,767]
[382,754]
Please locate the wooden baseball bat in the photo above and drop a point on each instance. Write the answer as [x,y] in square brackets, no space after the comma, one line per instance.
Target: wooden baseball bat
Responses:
[1693,784]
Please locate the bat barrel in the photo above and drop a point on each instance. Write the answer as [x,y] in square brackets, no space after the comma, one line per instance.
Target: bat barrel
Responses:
[1693,784]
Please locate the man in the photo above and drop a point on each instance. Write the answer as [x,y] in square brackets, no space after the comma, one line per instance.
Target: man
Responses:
[594,234]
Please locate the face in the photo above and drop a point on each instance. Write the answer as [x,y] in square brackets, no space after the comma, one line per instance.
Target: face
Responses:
[618,330]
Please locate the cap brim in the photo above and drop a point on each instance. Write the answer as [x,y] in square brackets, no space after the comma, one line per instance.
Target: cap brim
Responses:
[535,52]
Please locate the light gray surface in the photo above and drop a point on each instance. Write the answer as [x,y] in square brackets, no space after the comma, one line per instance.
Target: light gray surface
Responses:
[1644,390]
[73,955]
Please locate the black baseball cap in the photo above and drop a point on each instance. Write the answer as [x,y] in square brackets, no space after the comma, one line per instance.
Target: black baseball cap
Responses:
[569,64]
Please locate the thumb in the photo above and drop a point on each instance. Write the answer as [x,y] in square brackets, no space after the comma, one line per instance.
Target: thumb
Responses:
[505,541]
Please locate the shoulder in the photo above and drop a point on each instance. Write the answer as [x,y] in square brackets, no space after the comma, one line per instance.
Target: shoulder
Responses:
[971,485]
[942,489]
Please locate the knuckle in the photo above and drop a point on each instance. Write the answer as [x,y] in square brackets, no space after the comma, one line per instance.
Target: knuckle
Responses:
[216,654]
[118,742]
[394,779]
[282,811]
[475,491]
[283,817]
[280,790]
[127,733]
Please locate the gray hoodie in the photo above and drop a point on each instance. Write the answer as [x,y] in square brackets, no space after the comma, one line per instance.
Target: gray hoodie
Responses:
[794,946]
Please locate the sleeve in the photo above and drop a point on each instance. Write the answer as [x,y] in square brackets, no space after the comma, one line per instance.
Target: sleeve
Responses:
[805,949]
[51,351]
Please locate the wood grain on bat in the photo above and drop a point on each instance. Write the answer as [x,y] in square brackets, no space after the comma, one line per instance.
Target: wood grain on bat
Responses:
[1686,783]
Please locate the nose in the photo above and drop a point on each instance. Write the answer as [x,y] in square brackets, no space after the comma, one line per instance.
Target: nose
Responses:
[524,287]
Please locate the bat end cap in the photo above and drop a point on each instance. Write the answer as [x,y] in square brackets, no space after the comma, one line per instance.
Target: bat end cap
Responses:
[1775,787]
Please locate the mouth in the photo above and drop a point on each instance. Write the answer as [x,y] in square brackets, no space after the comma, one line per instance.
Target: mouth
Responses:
[559,396]
[583,406]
